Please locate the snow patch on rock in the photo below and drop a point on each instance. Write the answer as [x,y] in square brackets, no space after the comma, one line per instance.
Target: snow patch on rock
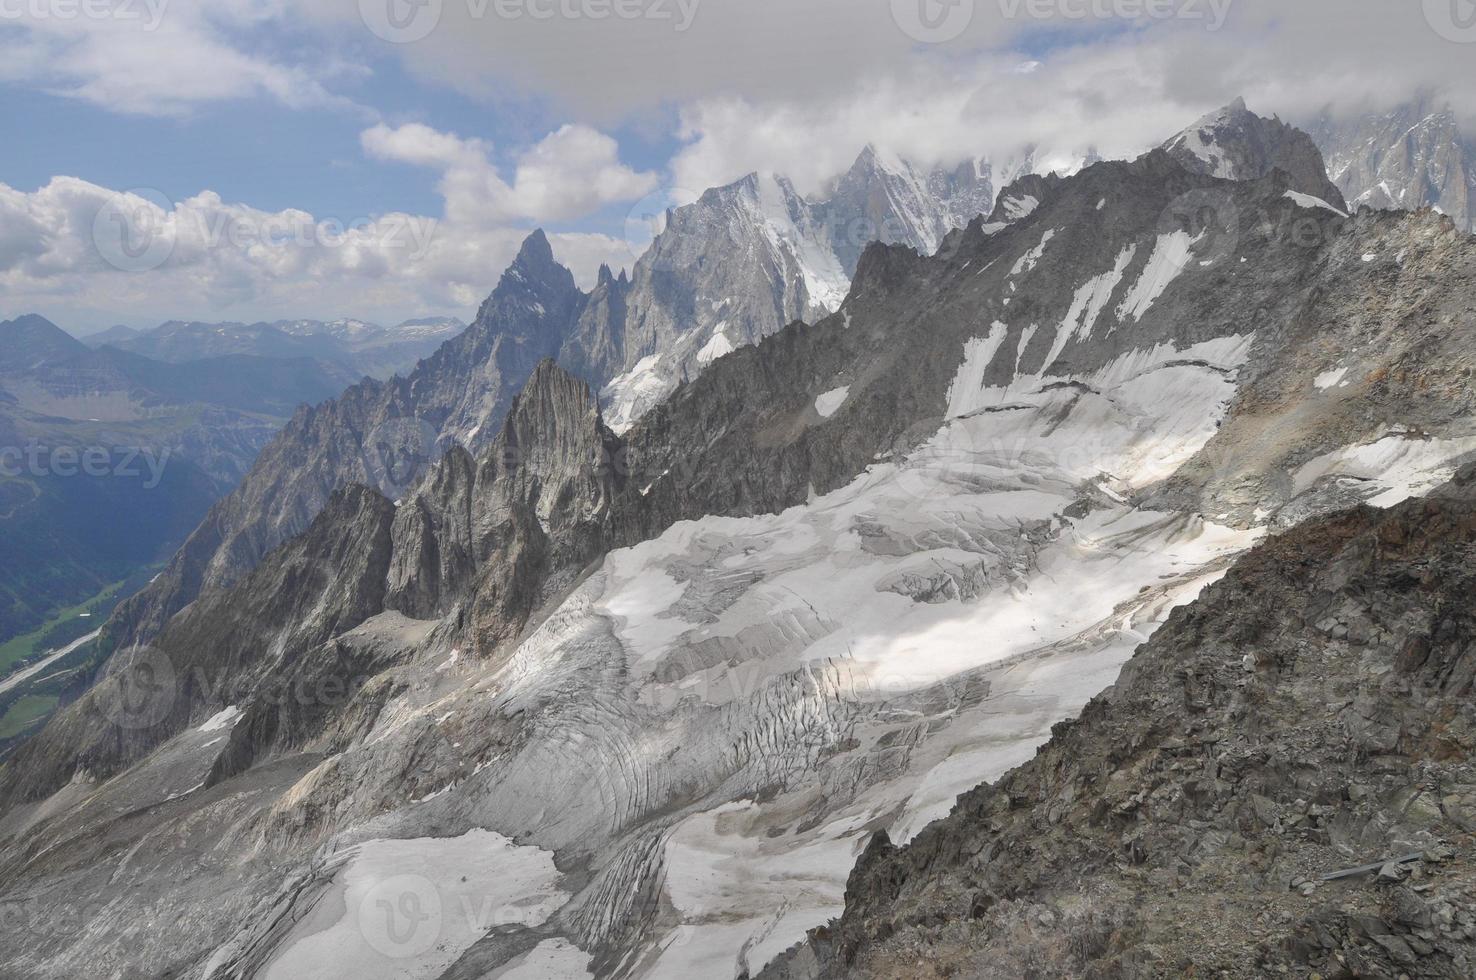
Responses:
[828,403]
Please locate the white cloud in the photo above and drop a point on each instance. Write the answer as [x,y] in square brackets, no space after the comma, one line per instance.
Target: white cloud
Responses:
[157,57]
[751,84]
[1122,87]
[599,68]
[572,172]
[88,256]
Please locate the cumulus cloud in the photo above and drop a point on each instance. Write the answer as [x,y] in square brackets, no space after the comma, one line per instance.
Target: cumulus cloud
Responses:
[573,171]
[94,255]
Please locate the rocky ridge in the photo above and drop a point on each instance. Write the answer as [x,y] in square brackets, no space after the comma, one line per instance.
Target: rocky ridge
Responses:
[1236,144]
[1279,783]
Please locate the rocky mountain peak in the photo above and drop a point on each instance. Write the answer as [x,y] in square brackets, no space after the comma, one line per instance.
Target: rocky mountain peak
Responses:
[32,339]
[1412,156]
[552,398]
[535,295]
[535,252]
[1234,143]
[1022,197]
[871,162]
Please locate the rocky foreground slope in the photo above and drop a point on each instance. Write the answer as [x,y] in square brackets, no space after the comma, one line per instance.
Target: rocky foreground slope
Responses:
[1280,783]
[631,705]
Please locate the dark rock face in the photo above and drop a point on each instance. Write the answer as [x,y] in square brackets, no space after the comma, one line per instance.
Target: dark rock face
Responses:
[1237,144]
[595,351]
[379,434]
[1310,713]
[508,527]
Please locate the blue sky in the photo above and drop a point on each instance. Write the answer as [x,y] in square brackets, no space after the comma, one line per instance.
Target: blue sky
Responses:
[263,152]
[245,115]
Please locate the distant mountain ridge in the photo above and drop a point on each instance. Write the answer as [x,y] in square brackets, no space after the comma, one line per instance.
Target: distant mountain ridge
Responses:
[1415,155]
[353,347]
[165,441]
[751,257]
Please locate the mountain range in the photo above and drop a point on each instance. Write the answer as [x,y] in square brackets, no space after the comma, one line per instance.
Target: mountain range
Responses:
[465,680]
[1413,156]
[161,443]
[348,349]
[733,267]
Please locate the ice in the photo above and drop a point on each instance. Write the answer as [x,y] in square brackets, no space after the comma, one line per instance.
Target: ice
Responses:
[828,403]
[750,895]
[715,348]
[1169,258]
[1193,139]
[408,908]
[223,720]
[1328,379]
[1019,207]
[1310,202]
[552,959]
[1390,470]
[627,395]
[1027,261]
[1090,299]
[714,721]
[716,612]
[963,394]
[825,280]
